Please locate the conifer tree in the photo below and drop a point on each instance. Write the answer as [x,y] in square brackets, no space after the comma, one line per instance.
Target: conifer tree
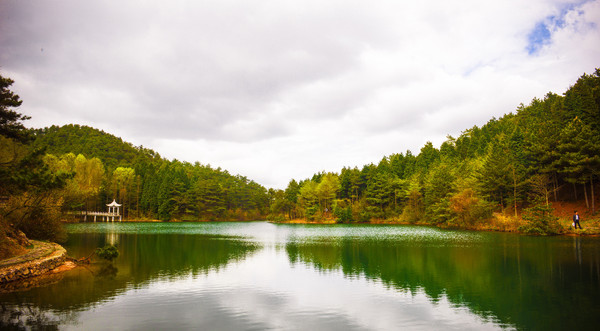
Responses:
[11,125]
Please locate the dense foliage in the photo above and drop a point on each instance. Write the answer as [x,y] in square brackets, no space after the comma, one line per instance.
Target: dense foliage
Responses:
[108,252]
[547,150]
[27,186]
[106,168]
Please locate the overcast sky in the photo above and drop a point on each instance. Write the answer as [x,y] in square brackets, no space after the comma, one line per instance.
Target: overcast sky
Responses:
[279,89]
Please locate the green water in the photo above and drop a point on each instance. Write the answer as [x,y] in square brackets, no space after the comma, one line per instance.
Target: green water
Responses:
[260,276]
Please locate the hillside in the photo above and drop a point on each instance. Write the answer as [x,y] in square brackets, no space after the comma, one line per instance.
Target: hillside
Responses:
[515,167]
[104,167]
[91,142]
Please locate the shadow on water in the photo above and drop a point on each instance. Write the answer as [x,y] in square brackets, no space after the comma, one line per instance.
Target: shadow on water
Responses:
[527,282]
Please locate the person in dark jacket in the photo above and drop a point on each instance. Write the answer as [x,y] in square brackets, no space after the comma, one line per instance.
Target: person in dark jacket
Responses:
[576,220]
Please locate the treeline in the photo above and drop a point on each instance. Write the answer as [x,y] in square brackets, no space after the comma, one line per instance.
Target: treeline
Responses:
[103,168]
[546,151]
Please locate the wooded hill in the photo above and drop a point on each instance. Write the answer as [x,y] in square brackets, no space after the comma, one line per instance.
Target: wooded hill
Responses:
[517,165]
[104,167]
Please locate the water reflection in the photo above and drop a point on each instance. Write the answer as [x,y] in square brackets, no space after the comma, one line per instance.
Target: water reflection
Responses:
[32,317]
[143,259]
[513,279]
[263,276]
[577,249]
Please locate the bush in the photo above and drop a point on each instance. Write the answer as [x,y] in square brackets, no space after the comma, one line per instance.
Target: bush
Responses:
[311,212]
[468,208]
[343,214]
[108,252]
[540,221]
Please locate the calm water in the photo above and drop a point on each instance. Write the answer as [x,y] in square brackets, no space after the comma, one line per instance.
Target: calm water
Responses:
[260,276]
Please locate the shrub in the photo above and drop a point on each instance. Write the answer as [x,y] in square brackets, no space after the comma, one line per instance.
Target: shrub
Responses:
[468,208]
[108,252]
[540,221]
[343,214]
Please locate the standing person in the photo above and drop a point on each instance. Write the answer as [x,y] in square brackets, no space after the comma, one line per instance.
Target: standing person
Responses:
[576,220]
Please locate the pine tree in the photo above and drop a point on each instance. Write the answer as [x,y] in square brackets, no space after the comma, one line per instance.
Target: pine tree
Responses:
[579,151]
[11,125]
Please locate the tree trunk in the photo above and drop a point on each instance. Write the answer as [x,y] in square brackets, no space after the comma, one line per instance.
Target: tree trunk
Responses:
[592,188]
[587,203]
[546,192]
[555,186]
[137,199]
[515,190]
[575,190]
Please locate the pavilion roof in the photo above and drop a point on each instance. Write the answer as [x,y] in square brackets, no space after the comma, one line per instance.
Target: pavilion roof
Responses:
[113,204]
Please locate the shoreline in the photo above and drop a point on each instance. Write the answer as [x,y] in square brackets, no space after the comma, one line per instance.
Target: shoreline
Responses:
[30,269]
[159,221]
[587,232]
[567,231]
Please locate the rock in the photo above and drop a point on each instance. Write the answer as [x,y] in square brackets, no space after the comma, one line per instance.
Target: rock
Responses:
[22,238]
[42,259]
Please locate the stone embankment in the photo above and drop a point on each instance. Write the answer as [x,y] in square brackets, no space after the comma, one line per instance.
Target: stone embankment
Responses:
[39,260]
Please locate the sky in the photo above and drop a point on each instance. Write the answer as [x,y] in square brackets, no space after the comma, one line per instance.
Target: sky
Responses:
[282,89]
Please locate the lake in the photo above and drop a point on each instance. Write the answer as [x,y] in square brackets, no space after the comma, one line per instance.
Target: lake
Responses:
[263,276]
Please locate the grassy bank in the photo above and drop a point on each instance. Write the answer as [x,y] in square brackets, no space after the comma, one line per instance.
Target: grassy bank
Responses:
[498,222]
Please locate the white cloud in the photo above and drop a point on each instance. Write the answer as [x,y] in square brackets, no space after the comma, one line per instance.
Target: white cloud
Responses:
[276,90]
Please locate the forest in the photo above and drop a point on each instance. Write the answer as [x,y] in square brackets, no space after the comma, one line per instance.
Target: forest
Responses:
[103,168]
[505,175]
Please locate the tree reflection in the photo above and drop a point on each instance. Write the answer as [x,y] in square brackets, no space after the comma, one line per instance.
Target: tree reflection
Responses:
[31,317]
[510,281]
[143,259]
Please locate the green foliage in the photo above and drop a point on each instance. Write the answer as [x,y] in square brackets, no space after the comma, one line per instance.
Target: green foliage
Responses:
[342,210]
[77,139]
[540,220]
[11,125]
[492,168]
[379,193]
[344,215]
[468,208]
[108,252]
[27,185]
[106,168]
[438,187]
[327,190]
[579,149]
[414,209]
